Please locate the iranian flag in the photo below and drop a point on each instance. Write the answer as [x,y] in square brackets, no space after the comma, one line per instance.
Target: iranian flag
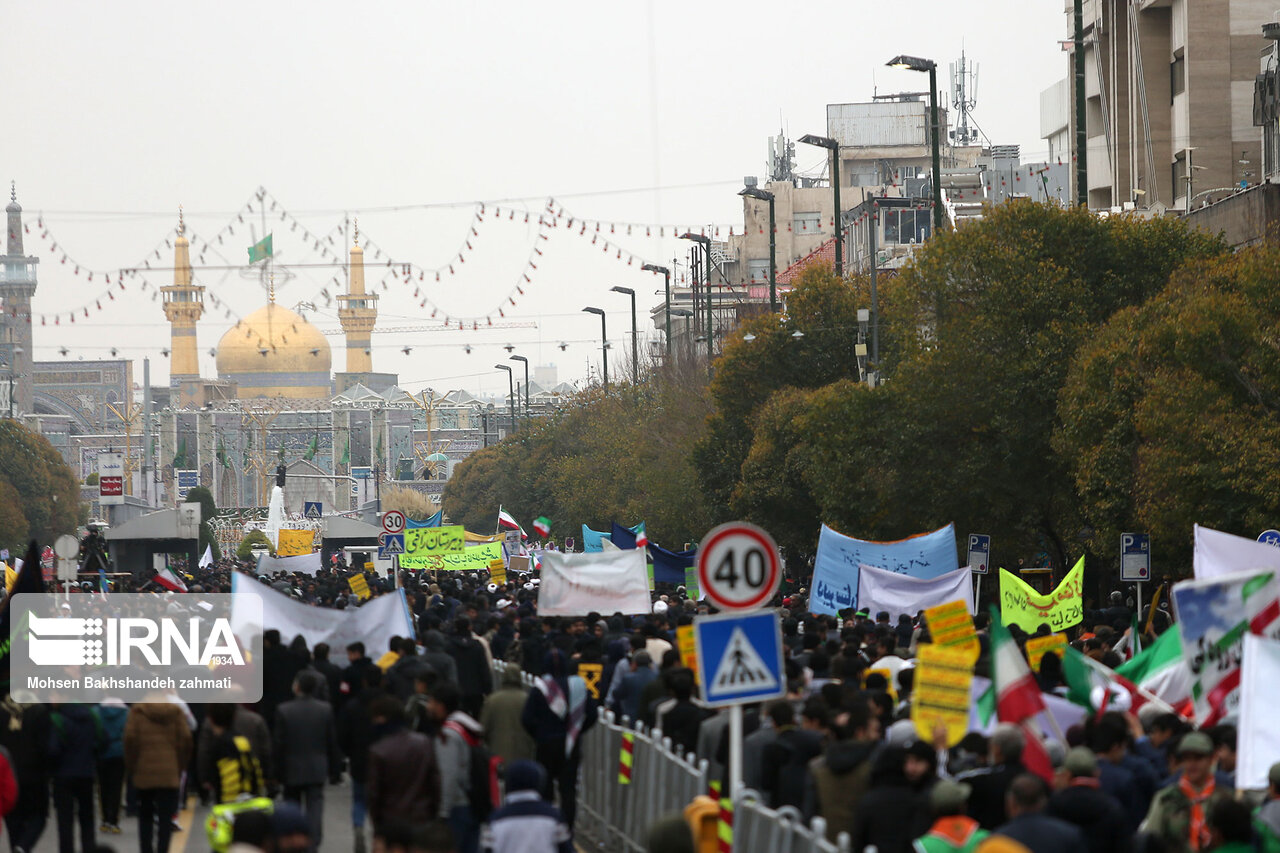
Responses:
[506,522]
[1017,695]
[542,526]
[642,538]
[1161,670]
[169,579]
[1095,686]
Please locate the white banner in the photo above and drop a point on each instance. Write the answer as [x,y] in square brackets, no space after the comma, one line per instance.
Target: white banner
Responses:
[1259,698]
[605,582]
[1218,553]
[882,590]
[307,564]
[374,623]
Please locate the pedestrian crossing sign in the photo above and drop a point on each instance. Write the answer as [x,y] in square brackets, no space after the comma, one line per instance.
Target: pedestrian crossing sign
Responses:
[740,657]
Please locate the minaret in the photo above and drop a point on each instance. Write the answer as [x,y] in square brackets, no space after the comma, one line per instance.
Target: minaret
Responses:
[183,305]
[17,286]
[358,313]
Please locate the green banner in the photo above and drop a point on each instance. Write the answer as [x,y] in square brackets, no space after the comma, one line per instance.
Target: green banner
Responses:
[474,558]
[260,250]
[691,583]
[423,542]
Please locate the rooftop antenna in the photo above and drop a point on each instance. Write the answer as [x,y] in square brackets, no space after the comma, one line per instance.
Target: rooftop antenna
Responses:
[964,98]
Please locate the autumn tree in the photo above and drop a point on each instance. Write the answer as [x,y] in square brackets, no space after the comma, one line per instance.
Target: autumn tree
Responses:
[49,493]
[1171,412]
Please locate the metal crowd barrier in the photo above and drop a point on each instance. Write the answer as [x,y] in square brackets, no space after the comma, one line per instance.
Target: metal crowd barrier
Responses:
[617,817]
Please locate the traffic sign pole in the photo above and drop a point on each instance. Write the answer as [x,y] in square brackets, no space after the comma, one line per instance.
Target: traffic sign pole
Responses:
[735,751]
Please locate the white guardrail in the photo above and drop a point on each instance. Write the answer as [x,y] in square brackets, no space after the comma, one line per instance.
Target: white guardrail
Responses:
[617,817]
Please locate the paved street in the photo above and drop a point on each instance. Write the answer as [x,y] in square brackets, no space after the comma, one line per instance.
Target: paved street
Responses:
[338,835]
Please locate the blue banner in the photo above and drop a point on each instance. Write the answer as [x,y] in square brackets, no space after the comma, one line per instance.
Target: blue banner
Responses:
[591,539]
[669,566]
[436,520]
[835,570]
[623,537]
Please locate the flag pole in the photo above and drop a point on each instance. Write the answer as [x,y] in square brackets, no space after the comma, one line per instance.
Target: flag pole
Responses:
[497,527]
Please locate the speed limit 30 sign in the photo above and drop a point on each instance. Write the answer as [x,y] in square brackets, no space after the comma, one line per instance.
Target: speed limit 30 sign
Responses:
[393,521]
[738,566]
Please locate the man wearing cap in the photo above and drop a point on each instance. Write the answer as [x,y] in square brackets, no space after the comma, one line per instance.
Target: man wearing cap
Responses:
[1266,820]
[1083,803]
[1179,812]
[953,831]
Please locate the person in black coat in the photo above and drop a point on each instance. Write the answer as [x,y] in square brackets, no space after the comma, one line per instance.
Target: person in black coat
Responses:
[475,678]
[990,784]
[24,731]
[1030,826]
[1084,804]
[890,812]
[558,711]
[785,761]
[678,717]
[331,672]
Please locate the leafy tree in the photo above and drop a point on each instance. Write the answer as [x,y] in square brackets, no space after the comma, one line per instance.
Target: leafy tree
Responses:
[49,493]
[244,551]
[1171,413]
[208,509]
[92,479]
[13,523]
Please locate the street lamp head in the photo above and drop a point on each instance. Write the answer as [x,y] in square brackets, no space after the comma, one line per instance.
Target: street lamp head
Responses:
[757,193]
[626,290]
[912,63]
[505,367]
[697,238]
[821,141]
[656,268]
[591,310]
[519,358]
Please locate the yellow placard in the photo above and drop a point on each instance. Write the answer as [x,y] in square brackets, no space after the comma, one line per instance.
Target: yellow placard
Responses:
[1022,606]
[1038,646]
[359,586]
[294,543]
[941,692]
[423,542]
[590,673]
[951,625]
[688,648]
[497,573]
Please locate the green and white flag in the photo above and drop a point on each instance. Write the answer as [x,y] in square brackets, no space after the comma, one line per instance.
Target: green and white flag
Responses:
[260,250]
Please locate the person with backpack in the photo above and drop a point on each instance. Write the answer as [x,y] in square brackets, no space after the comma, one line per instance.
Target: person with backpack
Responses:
[465,792]
[236,768]
[157,747]
[73,738]
[558,711]
[111,714]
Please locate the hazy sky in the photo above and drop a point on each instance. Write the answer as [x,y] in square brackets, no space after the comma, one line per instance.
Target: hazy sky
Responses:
[640,112]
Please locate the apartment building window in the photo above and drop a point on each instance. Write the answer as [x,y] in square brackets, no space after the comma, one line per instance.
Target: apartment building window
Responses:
[907,225]
[1177,75]
[1180,176]
[758,270]
[807,223]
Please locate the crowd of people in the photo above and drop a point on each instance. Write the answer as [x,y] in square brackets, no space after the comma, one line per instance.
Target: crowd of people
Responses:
[443,750]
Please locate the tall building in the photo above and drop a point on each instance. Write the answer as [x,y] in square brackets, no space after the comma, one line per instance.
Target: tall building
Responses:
[1169,98]
[358,314]
[17,286]
[183,306]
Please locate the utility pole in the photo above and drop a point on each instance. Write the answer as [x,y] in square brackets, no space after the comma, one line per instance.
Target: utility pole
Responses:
[1082,132]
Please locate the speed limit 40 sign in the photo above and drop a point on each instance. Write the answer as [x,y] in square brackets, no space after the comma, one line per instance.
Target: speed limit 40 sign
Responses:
[738,566]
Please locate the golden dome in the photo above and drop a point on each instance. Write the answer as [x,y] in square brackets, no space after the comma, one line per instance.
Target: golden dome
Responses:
[276,353]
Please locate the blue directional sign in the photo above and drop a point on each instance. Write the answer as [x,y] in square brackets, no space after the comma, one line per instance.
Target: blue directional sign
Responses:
[740,657]
[312,510]
[390,545]
[1135,557]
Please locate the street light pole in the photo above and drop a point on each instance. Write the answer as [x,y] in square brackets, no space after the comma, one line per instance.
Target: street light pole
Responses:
[765,195]
[635,335]
[833,147]
[666,274]
[705,242]
[915,63]
[511,393]
[526,384]
[604,343]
